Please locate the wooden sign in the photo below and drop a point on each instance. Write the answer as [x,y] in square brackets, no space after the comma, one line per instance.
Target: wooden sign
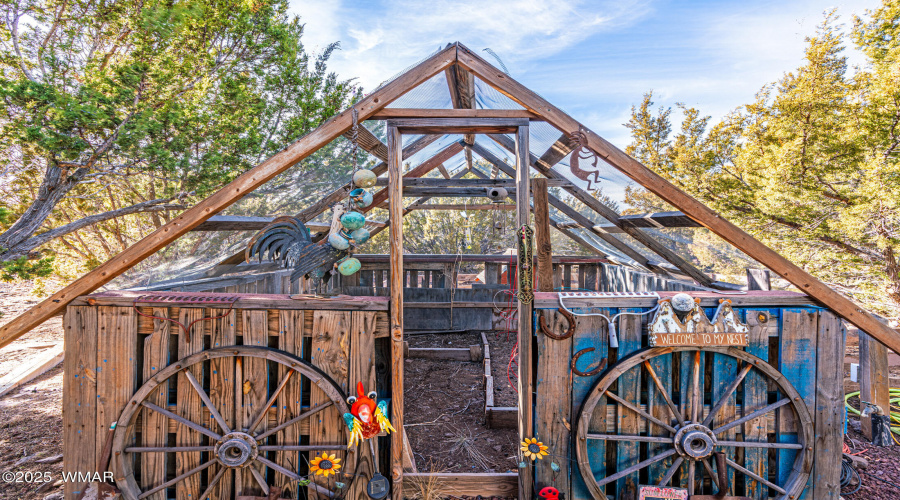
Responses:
[700,339]
[667,329]
[661,493]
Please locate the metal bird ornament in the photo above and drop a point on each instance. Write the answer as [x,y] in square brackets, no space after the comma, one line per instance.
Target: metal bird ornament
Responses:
[287,241]
[366,419]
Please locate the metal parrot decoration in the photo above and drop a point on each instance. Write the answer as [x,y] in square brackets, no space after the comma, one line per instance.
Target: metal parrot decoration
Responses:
[366,418]
[288,241]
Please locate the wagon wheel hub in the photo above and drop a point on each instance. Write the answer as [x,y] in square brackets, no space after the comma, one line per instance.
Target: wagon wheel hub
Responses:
[236,450]
[695,441]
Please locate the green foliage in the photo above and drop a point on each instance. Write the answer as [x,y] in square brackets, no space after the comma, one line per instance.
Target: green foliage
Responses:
[811,167]
[25,269]
[150,100]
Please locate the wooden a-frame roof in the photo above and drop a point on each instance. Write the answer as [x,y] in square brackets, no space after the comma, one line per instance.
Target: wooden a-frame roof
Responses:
[461,65]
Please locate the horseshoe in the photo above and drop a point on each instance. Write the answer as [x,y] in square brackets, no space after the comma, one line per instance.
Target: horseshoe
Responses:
[591,373]
[549,331]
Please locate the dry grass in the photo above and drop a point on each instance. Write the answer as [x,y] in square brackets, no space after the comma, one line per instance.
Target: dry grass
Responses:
[463,441]
[428,487]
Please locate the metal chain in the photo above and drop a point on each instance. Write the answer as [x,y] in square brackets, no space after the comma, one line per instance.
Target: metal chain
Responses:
[354,148]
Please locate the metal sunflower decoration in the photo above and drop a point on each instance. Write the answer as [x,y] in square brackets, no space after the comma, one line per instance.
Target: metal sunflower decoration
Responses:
[534,449]
[325,465]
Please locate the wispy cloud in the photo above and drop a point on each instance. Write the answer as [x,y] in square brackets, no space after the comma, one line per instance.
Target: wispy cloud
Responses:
[381,38]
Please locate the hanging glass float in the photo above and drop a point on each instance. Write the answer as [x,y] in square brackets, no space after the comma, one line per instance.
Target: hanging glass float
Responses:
[364,178]
[348,266]
[353,221]
[338,241]
[361,198]
[359,236]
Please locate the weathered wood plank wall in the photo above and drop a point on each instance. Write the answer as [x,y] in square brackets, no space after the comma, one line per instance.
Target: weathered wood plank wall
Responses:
[112,350]
[804,343]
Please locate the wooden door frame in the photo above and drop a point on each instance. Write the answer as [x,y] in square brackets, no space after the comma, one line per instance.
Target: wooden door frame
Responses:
[395,130]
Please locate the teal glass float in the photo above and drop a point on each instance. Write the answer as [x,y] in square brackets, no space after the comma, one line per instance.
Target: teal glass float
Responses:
[361,198]
[338,242]
[348,266]
[364,178]
[353,221]
[360,236]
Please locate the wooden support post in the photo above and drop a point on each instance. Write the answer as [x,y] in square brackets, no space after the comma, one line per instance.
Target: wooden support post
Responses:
[874,386]
[758,279]
[526,312]
[542,236]
[395,213]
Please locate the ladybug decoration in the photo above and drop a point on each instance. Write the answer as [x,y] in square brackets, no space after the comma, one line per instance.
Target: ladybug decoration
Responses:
[366,419]
[549,493]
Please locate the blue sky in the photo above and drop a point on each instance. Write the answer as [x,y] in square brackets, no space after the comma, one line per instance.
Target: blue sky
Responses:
[592,59]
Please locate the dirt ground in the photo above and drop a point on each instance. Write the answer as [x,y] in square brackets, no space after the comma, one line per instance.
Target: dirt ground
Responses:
[444,411]
[502,344]
[30,416]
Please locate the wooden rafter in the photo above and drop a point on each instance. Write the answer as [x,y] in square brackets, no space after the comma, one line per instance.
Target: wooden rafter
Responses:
[323,204]
[398,113]
[560,205]
[233,191]
[613,217]
[462,93]
[370,143]
[556,224]
[681,200]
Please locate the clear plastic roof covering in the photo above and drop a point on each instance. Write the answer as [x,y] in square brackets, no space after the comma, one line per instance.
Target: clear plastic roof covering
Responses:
[329,168]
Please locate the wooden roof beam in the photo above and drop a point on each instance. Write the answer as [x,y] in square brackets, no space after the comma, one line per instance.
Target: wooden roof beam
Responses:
[613,217]
[462,94]
[681,200]
[323,204]
[555,223]
[369,142]
[564,208]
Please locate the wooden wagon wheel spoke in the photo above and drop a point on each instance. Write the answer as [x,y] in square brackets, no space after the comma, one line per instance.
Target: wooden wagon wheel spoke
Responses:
[755,476]
[203,396]
[293,475]
[213,483]
[259,479]
[636,467]
[308,447]
[623,437]
[670,472]
[712,475]
[197,427]
[640,412]
[167,449]
[664,393]
[696,402]
[758,413]
[728,391]
[298,418]
[270,402]
[760,444]
[179,478]
[692,470]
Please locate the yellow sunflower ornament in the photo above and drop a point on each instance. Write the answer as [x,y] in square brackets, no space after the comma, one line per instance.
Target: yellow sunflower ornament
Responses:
[532,448]
[325,465]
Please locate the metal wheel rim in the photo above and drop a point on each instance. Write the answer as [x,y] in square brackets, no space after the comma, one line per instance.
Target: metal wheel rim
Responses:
[800,472]
[123,466]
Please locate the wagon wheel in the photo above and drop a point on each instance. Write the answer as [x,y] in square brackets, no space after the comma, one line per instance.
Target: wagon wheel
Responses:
[691,439]
[232,449]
